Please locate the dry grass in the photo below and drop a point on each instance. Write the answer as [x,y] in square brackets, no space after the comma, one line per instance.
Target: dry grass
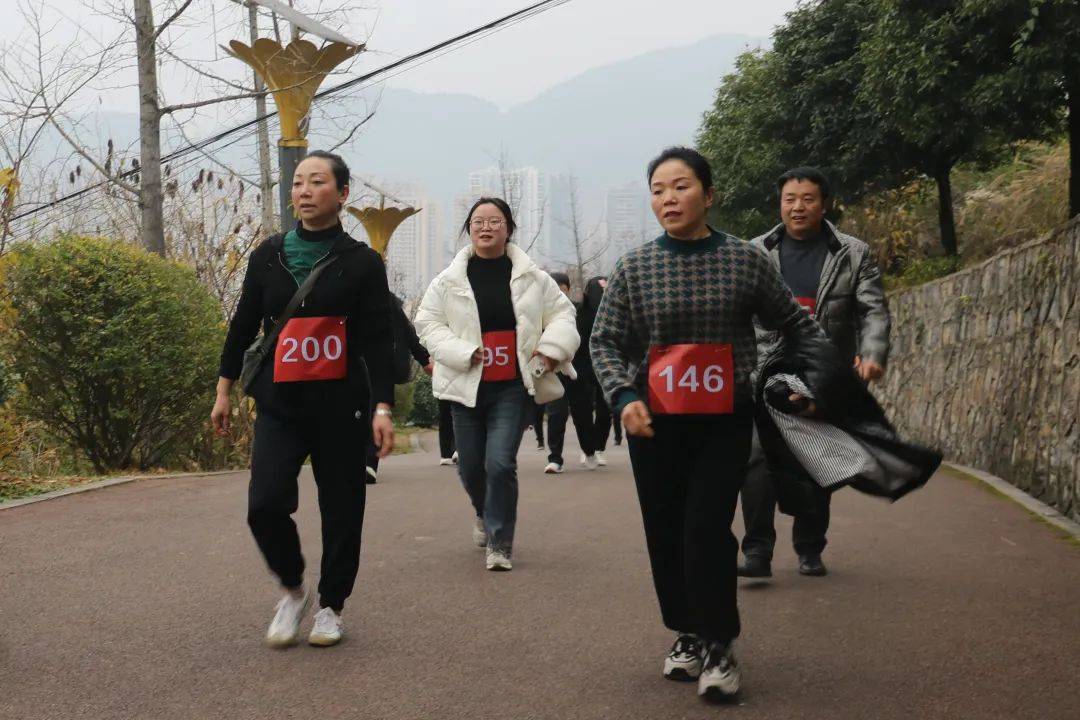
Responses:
[997,209]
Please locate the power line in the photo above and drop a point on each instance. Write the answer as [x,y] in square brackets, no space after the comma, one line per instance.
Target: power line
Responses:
[408,62]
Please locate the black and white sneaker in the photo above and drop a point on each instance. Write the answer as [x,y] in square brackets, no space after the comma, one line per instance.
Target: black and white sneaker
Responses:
[684,661]
[720,673]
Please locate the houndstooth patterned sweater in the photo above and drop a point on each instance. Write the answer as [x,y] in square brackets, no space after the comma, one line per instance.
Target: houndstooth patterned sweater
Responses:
[677,291]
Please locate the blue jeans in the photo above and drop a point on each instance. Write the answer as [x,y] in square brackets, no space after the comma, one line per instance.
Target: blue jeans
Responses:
[488,437]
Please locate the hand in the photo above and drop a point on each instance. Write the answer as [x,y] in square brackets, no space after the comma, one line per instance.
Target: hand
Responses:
[637,421]
[429,368]
[382,432]
[477,357]
[549,363]
[868,369]
[809,411]
[219,416]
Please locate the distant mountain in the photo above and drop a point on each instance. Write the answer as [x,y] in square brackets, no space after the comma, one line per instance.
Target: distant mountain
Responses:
[603,125]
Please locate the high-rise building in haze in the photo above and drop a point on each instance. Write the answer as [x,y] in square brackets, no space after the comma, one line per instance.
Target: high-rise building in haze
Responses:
[625,219]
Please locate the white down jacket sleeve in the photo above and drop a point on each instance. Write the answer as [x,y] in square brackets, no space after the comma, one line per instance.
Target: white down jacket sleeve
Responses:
[560,338]
[435,333]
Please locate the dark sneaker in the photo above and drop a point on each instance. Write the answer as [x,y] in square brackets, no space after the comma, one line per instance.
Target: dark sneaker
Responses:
[720,677]
[811,565]
[754,566]
[684,660]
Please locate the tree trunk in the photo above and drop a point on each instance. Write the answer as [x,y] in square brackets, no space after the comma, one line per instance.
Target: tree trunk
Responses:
[269,222]
[152,232]
[1072,84]
[946,221]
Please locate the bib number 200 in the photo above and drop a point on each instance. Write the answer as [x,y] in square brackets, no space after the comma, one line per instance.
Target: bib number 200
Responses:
[691,379]
[311,348]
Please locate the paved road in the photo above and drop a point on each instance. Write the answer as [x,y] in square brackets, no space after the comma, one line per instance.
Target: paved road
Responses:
[149,600]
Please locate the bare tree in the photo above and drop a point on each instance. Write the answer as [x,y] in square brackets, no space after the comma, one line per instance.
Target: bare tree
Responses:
[587,248]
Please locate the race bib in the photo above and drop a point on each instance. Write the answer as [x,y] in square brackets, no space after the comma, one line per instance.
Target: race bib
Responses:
[500,356]
[311,348]
[691,379]
[808,304]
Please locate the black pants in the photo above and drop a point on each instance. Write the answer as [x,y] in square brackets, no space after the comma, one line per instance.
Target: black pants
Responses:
[759,513]
[575,403]
[605,420]
[688,479]
[538,423]
[446,430]
[336,447]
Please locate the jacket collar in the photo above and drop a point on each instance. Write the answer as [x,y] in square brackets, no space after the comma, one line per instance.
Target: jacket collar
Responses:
[773,238]
[520,263]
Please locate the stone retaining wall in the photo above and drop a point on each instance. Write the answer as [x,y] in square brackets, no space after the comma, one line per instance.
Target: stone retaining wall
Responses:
[984,366]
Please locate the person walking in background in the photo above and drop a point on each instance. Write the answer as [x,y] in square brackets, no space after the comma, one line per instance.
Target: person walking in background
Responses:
[576,402]
[312,393]
[834,277]
[673,347]
[407,348]
[447,448]
[601,417]
[497,327]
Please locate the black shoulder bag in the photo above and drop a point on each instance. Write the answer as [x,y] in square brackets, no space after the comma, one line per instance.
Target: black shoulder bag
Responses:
[262,348]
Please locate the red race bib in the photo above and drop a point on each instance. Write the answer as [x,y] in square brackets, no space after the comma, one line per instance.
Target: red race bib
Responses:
[809,304]
[691,379]
[500,356]
[311,348]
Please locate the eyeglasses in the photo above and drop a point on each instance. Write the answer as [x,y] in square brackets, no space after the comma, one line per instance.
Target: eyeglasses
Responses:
[493,223]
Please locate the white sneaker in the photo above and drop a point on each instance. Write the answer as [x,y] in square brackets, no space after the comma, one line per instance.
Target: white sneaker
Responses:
[454,457]
[590,462]
[601,458]
[553,468]
[684,660]
[582,458]
[498,560]
[479,534]
[446,461]
[285,627]
[720,675]
[327,629]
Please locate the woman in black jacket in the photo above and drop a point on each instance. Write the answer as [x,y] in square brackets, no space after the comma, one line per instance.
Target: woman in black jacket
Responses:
[331,365]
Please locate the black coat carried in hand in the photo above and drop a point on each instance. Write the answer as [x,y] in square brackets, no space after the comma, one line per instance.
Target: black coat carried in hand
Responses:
[355,287]
[843,402]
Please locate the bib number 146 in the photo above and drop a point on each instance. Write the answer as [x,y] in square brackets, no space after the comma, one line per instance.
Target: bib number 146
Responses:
[691,379]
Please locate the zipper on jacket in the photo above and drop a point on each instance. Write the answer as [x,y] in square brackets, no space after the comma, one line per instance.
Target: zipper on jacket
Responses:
[281,261]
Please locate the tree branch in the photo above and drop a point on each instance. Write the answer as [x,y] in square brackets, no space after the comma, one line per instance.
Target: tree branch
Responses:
[86,156]
[179,11]
[353,131]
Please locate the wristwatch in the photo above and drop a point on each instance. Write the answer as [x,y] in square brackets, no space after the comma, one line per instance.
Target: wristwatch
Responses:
[384,412]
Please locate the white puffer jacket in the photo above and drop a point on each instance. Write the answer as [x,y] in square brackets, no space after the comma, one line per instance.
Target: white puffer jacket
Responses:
[448,323]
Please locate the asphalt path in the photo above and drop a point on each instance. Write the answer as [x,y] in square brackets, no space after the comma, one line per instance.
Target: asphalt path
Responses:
[150,600]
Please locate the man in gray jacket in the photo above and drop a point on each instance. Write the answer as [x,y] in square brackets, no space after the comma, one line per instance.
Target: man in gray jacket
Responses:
[834,277]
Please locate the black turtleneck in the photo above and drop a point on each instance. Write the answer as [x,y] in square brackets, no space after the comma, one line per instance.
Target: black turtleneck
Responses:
[490,281]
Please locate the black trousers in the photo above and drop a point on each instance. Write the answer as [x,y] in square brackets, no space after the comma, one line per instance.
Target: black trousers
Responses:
[688,479]
[575,403]
[602,422]
[538,423]
[759,514]
[446,430]
[336,446]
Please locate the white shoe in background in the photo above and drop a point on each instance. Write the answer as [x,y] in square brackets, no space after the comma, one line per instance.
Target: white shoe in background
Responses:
[479,534]
[590,462]
[498,560]
[553,468]
[601,458]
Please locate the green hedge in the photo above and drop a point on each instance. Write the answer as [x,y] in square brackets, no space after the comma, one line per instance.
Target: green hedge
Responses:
[115,348]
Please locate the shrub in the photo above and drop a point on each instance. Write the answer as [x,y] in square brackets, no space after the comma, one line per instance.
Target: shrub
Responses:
[403,400]
[425,411]
[115,348]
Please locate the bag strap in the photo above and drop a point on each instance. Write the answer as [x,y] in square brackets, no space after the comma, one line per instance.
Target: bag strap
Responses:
[294,304]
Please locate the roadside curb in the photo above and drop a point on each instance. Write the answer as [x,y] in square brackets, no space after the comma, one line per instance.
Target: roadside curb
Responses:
[418,441]
[108,482]
[1036,507]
